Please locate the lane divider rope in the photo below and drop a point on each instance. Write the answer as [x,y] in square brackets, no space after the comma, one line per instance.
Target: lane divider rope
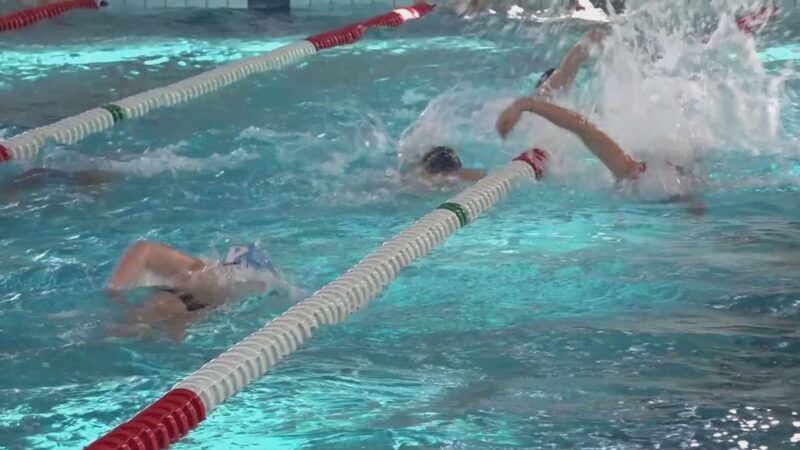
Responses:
[194,398]
[458,210]
[26,146]
[27,17]
[116,112]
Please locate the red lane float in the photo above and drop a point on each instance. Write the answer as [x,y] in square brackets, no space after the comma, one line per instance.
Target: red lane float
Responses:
[755,21]
[181,409]
[342,36]
[157,426]
[5,155]
[391,19]
[536,158]
[27,17]
[353,32]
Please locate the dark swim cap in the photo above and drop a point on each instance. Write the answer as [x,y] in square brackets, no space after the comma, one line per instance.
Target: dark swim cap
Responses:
[547,73]
[441,160]
[618,5]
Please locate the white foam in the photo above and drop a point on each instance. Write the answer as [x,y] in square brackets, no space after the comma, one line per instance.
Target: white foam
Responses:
[438,124]
[676,93]
[413,97]
[685,94]
[148,164]
[589,13]
[269,135]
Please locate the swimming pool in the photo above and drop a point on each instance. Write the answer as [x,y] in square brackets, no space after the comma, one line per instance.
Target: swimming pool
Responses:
[564,318]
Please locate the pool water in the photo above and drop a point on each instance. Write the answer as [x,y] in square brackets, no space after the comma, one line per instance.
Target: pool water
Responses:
[567,317]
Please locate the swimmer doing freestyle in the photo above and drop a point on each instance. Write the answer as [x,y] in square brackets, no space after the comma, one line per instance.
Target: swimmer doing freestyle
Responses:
[443,162]
[182,286]
[647,179]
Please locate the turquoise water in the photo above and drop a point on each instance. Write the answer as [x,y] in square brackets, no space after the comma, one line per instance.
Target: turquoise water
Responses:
[567,317]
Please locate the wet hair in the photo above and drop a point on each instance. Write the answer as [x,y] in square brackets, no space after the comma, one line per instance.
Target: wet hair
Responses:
[441,159]
[545,76]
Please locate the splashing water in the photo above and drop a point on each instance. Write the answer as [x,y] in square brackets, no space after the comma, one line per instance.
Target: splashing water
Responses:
[558,299]
[166,159]
[667,88]
[673,82]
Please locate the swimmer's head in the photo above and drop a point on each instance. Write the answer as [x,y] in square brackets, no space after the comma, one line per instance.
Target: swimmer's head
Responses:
[250,256]
[441,160]
[545,76]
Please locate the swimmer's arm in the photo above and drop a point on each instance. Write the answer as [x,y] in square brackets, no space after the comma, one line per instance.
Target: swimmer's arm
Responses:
[605,148]
[563,78]
[176,328]
[148,256]
[470,174]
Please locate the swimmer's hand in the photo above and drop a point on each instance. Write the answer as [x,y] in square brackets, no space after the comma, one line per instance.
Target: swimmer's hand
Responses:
[597,35]
[508,118]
